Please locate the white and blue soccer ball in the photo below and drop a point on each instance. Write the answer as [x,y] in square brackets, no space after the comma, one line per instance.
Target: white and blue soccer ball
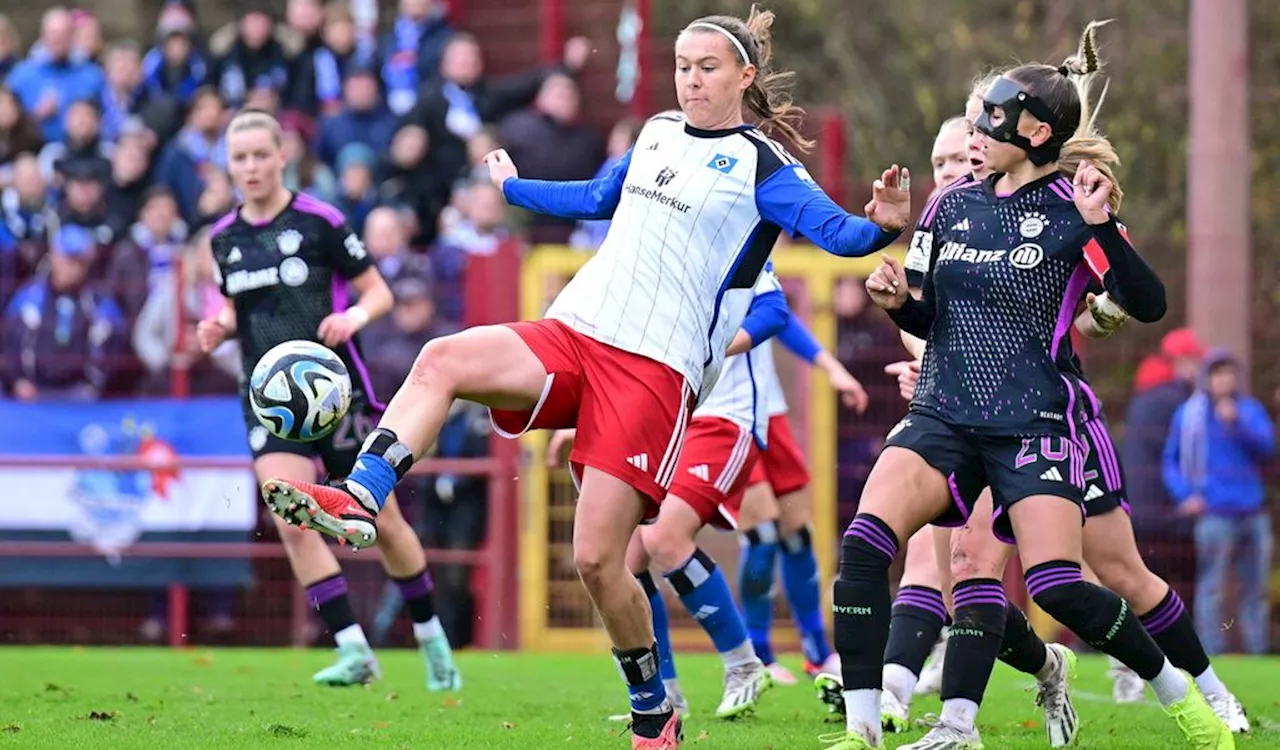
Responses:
[300,391]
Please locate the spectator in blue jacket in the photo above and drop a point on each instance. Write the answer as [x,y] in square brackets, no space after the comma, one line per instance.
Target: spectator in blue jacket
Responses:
[1213,462]
[195,152]
[363,119]
[412,49]
[48,82]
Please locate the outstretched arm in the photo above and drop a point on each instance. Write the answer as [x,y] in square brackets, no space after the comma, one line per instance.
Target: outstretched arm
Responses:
[576,199]
[791,199]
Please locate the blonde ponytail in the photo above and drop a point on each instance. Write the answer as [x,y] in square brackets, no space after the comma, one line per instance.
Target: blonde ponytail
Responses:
[1087,143]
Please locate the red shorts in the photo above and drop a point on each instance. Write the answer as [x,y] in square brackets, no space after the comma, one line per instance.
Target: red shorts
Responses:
[714,466]
[782,464]
[630,411]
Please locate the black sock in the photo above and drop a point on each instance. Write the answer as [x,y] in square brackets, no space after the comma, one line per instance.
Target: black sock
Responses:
[918,616]
[976,635]
[1100,617]
[1022,649]
[862,606]
[1170,625]
[417,592]
[329,597]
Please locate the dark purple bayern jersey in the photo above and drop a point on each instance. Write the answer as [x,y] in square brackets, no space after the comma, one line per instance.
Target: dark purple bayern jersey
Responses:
[1003,277]
[286,275]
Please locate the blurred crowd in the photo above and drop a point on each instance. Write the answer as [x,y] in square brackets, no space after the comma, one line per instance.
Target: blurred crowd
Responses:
[112,165]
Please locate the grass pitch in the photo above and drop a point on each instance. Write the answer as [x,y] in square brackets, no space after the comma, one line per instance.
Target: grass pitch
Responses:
[157,699]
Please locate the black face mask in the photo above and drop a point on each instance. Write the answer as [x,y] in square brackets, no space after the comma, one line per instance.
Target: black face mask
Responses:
[1012,99]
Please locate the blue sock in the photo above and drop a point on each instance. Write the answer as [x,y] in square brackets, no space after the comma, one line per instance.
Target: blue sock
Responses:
[661,626]
[376,475]
[639,667]
[755,585]
[705,594]
[800,579]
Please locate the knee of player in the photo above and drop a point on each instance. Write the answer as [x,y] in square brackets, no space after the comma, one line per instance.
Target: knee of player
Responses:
[438,362]
[668,547]
[973,556]
[1125,578]
[594,562]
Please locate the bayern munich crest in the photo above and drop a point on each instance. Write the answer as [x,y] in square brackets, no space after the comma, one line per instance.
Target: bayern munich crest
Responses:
[289,241]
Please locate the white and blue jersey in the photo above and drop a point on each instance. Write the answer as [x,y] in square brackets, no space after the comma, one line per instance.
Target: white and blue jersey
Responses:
[741,393]
[695,214]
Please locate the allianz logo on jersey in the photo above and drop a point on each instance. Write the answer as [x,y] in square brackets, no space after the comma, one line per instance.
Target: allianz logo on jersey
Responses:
[1025,256]
[291,272]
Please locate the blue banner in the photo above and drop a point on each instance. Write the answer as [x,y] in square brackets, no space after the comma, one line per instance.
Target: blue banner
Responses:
[53,495]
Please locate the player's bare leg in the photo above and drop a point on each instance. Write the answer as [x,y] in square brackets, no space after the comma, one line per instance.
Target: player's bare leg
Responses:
[706,596]
[490,365]
[758,517]
[406,564]
[639,564]
[606,517]
[802,582]
[318,571]
[1109,546]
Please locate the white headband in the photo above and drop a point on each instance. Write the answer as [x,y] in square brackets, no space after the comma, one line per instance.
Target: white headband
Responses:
[741,50]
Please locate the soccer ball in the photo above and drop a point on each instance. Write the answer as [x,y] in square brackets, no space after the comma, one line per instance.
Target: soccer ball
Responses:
[300,391]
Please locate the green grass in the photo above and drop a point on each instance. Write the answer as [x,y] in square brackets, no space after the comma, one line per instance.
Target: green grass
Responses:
[231,699]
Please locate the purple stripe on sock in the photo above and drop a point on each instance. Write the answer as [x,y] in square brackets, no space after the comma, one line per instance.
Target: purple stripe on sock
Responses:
[887,543]
[864,536]
[416,587]
[1043,576]
[929,600]
[323,592]
[1164,615]
[1055,578]
[974,601]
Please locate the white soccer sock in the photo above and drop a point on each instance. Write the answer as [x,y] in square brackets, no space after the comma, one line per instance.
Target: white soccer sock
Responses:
[1170,685]
[959,712]
[1050,667]
[352,635]
[739,656]
[900,681]
[862,714]
[1210,684]
[672,685]
[428,631]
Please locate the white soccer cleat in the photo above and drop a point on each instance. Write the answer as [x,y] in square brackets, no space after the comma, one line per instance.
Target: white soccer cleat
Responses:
[930,681]
[1127,686]
[1230,711]
[944,736]
[1053,696]
[893,713]
[742,689]
[831,693]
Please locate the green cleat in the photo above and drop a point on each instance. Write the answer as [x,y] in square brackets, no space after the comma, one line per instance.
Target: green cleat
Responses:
[356,665]
[442,675]
[1201,726]
[845,741]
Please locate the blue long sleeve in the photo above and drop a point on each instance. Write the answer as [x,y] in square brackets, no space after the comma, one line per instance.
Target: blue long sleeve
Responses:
[1177,485]
[799,341]
[766,317]
[576,199]
[793,201]
[1254,429]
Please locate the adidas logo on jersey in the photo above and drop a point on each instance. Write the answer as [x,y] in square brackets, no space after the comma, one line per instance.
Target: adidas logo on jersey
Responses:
[235,255]
[1052,475]
[1094,493]
[701,471]
[961,226]
[640,461]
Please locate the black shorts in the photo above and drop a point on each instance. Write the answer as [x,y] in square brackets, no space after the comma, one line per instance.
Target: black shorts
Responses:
[1104,484]
[1013,467]
[337,452]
